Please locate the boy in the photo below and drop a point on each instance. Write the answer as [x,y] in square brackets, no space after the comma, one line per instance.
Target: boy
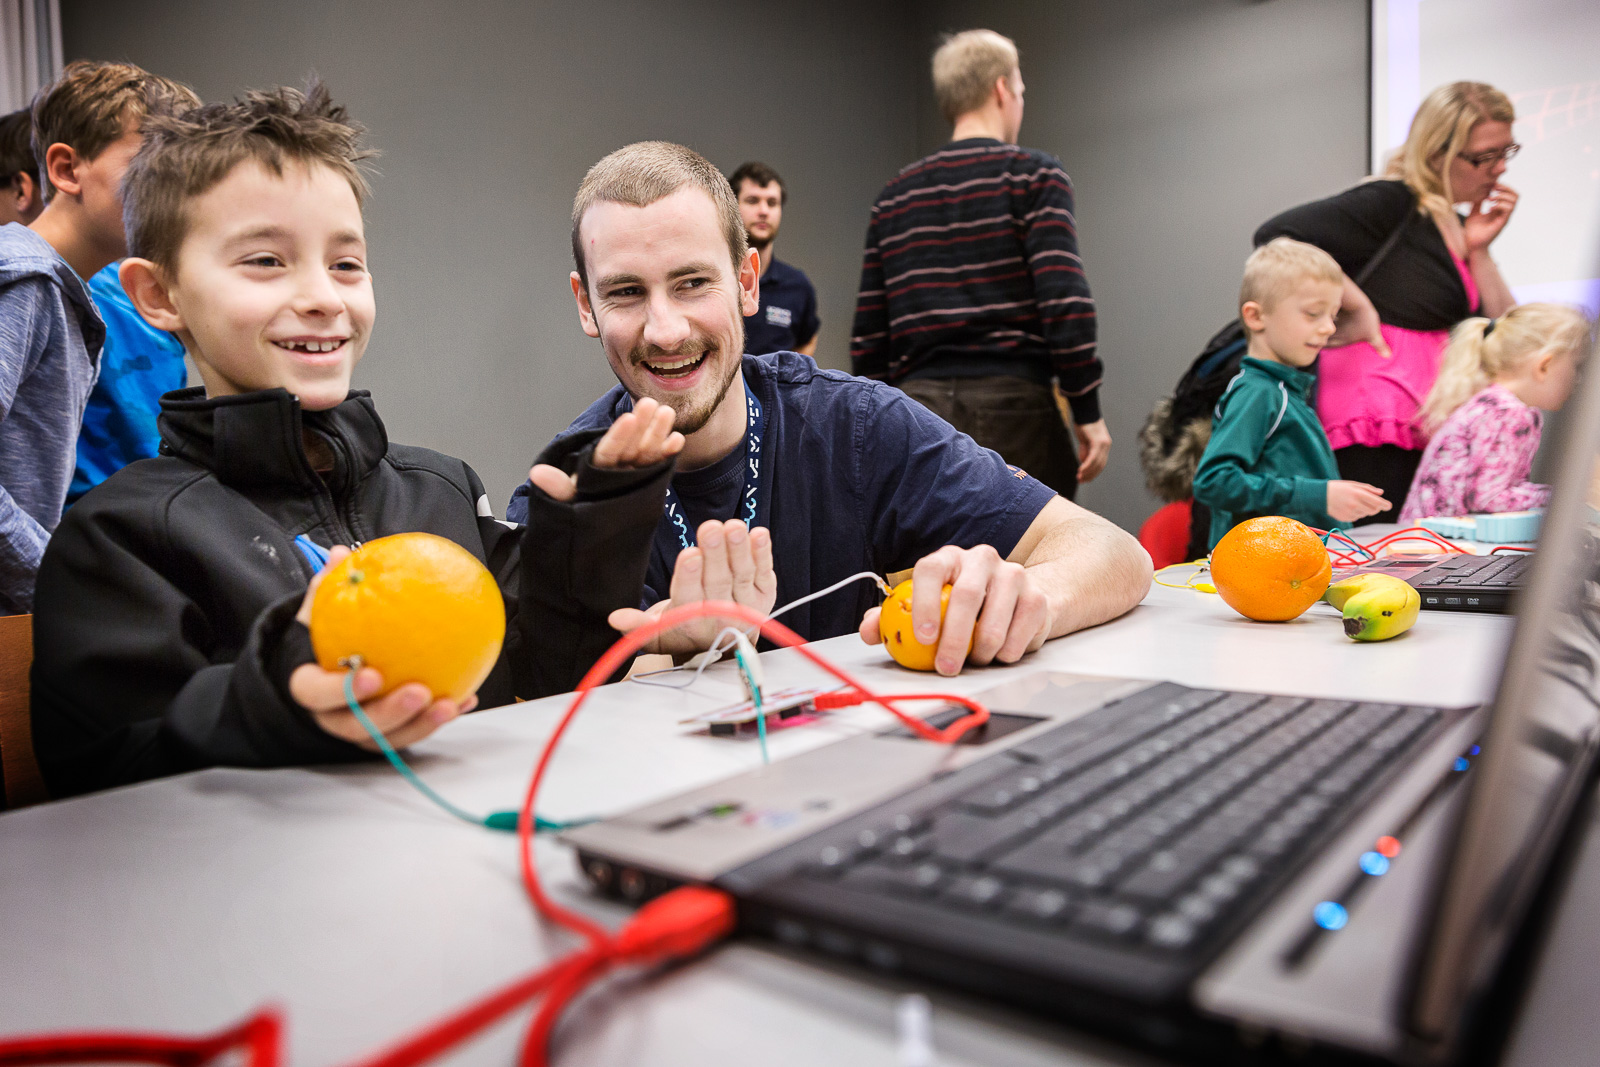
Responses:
[86,126]
[19,171]
[1268,454]
[169,631]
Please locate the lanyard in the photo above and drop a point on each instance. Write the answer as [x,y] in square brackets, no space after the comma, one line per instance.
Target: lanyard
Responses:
[754,430]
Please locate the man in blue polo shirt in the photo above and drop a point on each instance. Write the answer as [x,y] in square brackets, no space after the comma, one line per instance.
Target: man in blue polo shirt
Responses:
[793,477]
[786,320]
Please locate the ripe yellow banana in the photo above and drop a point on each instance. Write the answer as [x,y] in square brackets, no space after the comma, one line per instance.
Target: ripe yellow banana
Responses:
[1383,607]
[1339,592]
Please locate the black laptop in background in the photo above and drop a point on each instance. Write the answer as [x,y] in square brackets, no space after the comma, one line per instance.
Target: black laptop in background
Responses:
[1454,582]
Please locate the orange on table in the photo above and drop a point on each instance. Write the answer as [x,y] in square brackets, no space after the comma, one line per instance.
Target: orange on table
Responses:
[894,623]
[1270,569]
[415,606]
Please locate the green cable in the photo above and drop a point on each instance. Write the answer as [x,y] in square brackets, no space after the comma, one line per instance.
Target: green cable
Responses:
[499,820]
[755,699]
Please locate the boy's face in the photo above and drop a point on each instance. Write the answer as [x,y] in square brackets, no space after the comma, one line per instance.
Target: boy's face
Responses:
[1297,327]
[100,190]
[271,285]
[665,300]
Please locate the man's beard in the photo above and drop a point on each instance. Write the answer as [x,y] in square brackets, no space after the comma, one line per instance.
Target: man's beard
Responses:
[761,244]
[689,420]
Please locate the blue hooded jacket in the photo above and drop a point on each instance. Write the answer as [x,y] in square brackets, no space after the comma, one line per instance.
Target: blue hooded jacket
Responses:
[50,338]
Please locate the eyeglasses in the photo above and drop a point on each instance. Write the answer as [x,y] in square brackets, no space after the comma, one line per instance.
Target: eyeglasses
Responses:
[1486,159]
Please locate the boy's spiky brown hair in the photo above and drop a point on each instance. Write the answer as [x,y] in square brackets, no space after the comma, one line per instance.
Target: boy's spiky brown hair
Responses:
[185,155]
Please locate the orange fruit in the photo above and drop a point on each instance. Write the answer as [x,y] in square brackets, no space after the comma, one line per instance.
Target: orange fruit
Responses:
[894,623]
[418,608]
[1270,569]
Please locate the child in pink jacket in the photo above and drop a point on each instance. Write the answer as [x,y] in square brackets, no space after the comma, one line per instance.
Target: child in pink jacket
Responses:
[1485,411]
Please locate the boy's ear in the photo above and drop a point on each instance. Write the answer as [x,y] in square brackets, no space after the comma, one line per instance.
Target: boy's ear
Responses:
[142,280]
[61,165]
[1253,316]
[25,194]
[580,293]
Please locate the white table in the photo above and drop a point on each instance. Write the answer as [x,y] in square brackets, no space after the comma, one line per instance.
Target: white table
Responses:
[338,893]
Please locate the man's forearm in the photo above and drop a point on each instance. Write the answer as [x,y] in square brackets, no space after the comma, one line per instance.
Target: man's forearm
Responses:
[1089,570]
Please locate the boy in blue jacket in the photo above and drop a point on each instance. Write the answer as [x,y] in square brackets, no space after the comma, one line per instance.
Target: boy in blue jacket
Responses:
[1268,454]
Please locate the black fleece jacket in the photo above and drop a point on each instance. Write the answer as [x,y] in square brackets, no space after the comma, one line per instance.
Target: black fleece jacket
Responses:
[168,593]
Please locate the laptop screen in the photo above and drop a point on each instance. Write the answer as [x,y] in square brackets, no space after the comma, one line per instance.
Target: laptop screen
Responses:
[1540,744]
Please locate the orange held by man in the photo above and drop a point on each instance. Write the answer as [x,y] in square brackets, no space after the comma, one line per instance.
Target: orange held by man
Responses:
[415,606]
[894,623]
[1270,569]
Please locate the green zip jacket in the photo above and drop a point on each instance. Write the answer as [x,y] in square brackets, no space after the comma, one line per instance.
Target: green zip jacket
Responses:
[1268,454]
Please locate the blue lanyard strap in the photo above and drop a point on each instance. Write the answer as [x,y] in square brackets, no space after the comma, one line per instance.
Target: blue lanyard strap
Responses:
[754,430]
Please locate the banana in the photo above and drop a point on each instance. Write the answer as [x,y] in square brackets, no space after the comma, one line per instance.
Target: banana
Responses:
[1339,592]
[1382,608]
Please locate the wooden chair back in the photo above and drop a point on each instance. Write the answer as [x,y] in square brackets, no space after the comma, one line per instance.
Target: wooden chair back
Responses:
[19,771]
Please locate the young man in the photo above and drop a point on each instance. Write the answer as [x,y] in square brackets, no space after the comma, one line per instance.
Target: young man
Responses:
[170,622]
[786,320]
[19,171]
[973,296]
[1268,454]
[847,475]
[86,127]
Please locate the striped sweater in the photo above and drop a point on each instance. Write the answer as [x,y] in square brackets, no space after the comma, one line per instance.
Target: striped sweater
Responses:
[972,268]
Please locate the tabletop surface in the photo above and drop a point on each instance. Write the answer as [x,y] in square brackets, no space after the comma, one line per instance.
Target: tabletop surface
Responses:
[341,895]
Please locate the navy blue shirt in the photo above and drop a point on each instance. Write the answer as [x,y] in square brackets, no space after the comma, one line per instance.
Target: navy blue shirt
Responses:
[856,476]
[787,317]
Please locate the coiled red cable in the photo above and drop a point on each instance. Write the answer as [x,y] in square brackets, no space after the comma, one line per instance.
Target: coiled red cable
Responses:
[677,924]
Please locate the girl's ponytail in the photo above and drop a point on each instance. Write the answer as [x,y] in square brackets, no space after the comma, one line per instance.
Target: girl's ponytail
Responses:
[1463,374]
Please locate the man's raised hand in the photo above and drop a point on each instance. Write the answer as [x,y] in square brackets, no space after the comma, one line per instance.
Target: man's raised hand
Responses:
[642,437]
[729,562]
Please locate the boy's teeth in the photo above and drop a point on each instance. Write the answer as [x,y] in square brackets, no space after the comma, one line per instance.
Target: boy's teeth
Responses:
[313,346]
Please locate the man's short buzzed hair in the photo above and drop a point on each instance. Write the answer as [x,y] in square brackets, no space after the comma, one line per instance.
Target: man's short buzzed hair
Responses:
[92,104]
[966,66]
[1274,270]
[16,148]
[642,173]
[762,175]
[183,156]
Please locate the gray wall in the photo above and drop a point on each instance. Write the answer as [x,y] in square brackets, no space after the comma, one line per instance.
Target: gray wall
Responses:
[1184,123]
[488,114]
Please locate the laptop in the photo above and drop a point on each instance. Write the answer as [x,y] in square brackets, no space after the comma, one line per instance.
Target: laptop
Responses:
[1195,869]
[1453,582]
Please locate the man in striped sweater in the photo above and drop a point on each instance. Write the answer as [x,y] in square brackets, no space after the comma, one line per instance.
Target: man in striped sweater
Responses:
[973,296]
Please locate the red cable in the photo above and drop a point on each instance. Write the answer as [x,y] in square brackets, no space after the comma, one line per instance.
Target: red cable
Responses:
[261,1036]
[677,924]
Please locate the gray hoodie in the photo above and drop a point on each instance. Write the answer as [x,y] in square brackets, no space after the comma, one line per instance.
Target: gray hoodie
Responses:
[50,338]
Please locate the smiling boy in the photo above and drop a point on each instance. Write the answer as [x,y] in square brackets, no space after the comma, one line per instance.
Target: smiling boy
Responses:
[170,627]
[1268,454]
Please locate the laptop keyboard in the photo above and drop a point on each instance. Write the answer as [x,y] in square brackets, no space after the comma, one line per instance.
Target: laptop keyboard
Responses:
[1491,571]
[1150,824]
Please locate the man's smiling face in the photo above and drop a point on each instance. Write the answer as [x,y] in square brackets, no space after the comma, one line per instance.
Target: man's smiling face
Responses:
[666,300]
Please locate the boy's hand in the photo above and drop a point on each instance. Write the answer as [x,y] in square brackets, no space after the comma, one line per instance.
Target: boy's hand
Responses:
[728,563]
[1349,501]
[642,437]
[405,716]
[994,604]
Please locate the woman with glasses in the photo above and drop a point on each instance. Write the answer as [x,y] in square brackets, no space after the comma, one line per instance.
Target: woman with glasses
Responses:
[1422,269]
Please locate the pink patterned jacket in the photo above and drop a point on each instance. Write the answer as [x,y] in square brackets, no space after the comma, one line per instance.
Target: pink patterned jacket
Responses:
[1480,460]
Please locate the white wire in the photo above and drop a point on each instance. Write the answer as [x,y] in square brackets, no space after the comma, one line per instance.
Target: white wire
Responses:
[717,649]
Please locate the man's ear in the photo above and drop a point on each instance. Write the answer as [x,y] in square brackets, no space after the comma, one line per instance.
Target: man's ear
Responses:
[750,283]
[61,165]
[143,282]
[1253,316]
[580,293]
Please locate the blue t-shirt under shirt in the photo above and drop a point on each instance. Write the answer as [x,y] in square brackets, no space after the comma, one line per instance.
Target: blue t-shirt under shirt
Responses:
[787,317]
[856,476]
